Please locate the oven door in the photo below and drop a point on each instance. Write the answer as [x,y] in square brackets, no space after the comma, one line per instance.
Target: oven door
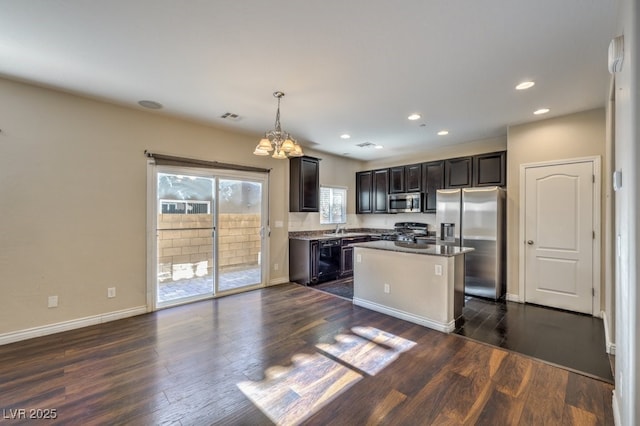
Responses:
[329,264]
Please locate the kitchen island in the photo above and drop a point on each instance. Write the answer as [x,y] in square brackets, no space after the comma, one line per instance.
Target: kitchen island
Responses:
[421,283]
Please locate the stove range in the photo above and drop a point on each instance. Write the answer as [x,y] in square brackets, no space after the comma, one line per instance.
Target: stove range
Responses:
[408,231]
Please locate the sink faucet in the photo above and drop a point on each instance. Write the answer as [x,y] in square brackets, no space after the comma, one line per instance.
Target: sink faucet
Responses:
[338,230]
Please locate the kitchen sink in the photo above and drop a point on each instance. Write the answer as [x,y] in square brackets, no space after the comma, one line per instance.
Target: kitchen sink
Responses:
[345,234]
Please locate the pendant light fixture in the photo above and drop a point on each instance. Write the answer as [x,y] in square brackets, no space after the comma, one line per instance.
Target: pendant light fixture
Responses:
[278,141]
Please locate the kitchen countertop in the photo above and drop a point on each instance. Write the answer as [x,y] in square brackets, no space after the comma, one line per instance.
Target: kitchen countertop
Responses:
[413,248]
[330,236]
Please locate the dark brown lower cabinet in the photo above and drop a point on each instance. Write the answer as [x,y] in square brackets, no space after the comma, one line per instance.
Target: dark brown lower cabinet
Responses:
[346,265]
[346,258]
[304,258]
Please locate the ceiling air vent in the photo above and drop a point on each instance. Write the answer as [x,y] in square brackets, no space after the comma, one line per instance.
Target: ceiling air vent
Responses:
[366,145]
[230,116]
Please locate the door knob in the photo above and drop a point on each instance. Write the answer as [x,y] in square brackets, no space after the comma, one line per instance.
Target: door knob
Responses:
[530,242]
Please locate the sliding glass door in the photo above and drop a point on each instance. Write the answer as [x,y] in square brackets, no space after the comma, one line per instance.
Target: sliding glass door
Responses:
[210,233]
[240,233]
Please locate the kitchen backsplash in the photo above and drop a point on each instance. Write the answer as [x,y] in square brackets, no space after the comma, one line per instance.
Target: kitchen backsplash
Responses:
[311,221]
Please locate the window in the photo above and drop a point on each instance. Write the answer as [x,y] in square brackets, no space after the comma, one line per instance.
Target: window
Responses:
[333,205]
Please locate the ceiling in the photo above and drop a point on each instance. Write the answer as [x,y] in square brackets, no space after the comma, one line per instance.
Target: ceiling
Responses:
[346,66]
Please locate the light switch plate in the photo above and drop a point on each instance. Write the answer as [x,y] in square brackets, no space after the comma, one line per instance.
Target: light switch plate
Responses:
[439,270]
[53,302]
[617,180]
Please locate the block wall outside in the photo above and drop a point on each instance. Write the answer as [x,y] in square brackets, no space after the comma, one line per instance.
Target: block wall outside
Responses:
[185,243]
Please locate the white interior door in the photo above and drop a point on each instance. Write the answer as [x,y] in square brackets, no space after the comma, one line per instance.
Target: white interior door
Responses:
[559,235]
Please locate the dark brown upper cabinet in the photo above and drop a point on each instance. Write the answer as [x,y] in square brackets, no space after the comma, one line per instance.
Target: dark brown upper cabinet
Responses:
[433,179]
[413,177]
[380,190]
[364,192]
[490,169]
[458,172]
[304,184]
[396,180]
[372,188]
[405,179]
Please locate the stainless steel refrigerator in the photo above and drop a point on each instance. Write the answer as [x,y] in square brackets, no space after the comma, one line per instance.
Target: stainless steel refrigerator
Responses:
[476,217]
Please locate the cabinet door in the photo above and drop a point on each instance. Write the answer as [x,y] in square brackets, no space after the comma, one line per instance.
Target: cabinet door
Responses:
[346,264]
[433,176]
[380,190]
[396,180]
[314,261]
[490,169]
[310,185]
[364,191]
[304,180]
[413,177]
[457,172]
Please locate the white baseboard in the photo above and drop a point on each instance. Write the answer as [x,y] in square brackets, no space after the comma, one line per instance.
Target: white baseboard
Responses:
[280,280]
[416,319]
[30,333]
[513,298]
[616,409]
[610,347]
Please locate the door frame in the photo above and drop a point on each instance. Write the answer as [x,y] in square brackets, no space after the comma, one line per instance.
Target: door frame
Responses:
[152,224]
[596,242]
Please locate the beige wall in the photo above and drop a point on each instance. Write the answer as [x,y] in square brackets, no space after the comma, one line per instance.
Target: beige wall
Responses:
[571,136]
[73,209]
[334,171]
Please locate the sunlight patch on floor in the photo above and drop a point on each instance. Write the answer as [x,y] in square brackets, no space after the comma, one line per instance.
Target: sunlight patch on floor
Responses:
[368,349]
[289,395]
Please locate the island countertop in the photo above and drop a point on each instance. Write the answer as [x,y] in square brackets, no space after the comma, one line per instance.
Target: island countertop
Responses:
[413,248]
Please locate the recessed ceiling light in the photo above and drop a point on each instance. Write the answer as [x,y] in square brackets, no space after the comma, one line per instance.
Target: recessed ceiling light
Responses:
[379,146]
[345,136]
[541,111]
[414,116]
[150,104]
[443,132]
[525,85]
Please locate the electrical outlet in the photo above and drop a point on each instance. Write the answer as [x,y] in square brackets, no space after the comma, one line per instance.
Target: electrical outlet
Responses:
[386,288]
[439,270]
[53,302]
[359,258]
[111,292]
[276,266]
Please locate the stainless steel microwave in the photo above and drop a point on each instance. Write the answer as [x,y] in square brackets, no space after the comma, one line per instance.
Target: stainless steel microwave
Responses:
[405,203]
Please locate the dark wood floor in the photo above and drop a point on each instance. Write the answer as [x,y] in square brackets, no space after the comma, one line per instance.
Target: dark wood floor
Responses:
[567,339]
[183,366]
